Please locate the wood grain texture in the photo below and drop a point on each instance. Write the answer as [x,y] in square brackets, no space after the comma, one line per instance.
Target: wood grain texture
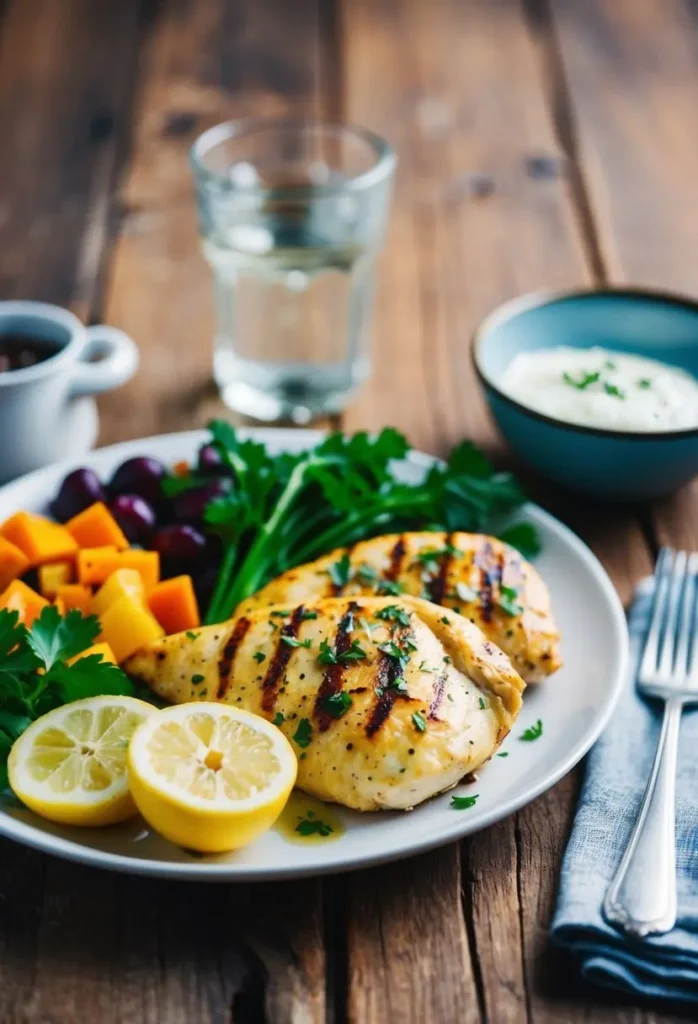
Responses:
[208,61]
[631,70]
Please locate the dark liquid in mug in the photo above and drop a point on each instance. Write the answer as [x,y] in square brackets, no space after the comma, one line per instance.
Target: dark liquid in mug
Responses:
[19,351]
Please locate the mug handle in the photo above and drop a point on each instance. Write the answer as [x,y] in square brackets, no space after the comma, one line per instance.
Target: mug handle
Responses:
[116,361]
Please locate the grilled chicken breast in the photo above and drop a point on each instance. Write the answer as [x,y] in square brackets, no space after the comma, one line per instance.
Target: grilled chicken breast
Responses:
[387,701]
[485,580]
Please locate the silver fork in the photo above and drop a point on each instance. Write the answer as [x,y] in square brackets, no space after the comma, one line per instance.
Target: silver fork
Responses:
[641,899]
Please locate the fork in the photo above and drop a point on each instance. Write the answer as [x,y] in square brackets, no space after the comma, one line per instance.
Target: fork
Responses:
[641,899]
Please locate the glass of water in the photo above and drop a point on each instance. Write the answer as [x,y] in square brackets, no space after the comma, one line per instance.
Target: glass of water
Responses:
[292,216]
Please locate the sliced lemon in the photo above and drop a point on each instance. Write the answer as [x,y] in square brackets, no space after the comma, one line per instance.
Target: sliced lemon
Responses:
[70,765]
[210,777]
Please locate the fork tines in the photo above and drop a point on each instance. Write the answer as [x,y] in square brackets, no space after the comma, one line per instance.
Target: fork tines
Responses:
[671,650]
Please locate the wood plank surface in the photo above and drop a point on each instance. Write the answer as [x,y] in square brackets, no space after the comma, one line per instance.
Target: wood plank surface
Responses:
[208,61]
[541,144]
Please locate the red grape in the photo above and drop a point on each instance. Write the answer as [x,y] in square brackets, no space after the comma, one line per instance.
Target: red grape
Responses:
[211,462]
[79,490]
[180,544]
[135,516]
[189,506]
[142,476]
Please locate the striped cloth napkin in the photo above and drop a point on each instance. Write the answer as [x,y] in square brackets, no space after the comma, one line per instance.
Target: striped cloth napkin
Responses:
[666,966]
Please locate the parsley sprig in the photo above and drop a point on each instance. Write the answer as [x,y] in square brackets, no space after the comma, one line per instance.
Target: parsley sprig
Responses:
[35,676]
[286,509]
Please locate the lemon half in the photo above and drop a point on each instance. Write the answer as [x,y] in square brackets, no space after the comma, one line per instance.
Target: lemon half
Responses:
[70,765]
[210,777]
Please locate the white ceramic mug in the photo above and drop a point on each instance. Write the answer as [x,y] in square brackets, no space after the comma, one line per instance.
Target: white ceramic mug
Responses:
[45,411]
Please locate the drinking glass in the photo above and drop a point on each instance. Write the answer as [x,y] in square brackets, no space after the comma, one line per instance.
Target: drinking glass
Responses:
[292,217]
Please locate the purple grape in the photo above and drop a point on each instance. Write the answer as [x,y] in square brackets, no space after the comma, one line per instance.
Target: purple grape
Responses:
[142,476]
[211,462]
[189,506]
[180,545]
[79,490]
[135,516]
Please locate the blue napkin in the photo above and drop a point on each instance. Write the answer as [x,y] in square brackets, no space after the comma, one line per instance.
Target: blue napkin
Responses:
[666,966]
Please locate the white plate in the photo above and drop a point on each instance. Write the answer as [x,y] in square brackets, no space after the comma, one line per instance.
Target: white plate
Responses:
[574,706]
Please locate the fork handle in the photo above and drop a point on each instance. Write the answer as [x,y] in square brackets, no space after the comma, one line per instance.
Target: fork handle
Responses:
[641,899]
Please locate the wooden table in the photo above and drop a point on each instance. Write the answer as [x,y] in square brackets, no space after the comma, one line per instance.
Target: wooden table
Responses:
[582,116]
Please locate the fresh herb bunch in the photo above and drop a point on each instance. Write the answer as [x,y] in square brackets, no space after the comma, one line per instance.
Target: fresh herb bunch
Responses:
[35,676]
[287,509]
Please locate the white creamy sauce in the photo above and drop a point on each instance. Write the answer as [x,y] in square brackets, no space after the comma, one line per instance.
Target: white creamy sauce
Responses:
[597,387]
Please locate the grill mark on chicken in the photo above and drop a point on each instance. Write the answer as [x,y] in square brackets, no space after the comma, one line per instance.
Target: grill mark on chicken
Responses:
[491,570]
[388,672]
[437,584]
[280,659]
[334,674]
[437,695]
[225,662]
[396,556]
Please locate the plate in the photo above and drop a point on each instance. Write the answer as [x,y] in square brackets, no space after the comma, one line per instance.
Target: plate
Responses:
[574,707]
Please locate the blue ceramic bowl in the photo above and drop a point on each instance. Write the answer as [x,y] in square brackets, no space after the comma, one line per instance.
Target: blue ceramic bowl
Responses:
[603,463]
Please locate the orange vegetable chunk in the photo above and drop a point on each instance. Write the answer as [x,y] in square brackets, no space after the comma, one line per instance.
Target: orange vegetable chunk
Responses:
[74,595]
[41,540]
[103,649]
[96,527]
[13,562]
[54,575]
[95,565]
[121,583]
[173,603]
[127,625]
[18,597]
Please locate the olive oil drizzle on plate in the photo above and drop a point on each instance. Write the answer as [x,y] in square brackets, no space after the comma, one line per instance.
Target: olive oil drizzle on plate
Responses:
[307,820]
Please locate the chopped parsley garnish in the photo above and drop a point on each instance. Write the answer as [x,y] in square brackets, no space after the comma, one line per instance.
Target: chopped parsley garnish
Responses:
[337,704]
[611,389]
[191,635]
[259,657]
[533,732]
[609,365]
[393,613]
[197,679]
[308,614]
[482,704]
[503,753]
[340,571]
[278,719]
[419,722]
[462,803]
[368,628]
[400,684]
[312,826]
[508,601]
[329,657]
[390,588]
[293,641]
[282,613]
[303,733]
[446,621]
[584,380]
[432,554]
[365,574]
[393,651]
[644,383]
